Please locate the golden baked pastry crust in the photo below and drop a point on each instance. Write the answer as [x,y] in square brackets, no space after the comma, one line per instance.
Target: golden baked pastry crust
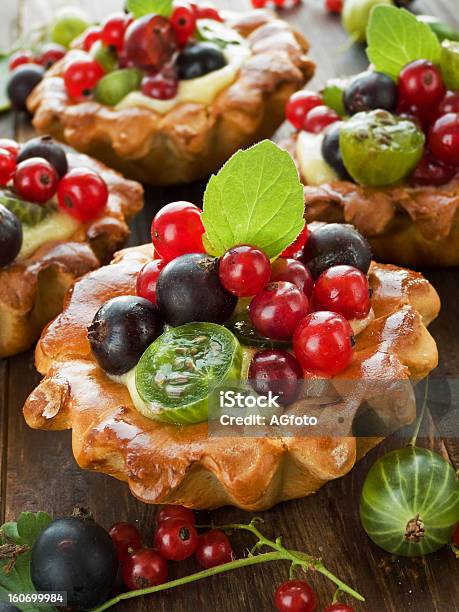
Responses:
[171,464]
[32,289]
[407,225]
[191,141]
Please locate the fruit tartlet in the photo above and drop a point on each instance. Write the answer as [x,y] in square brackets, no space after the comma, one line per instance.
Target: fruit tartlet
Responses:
[62,214]
[243,291]
[381,150]
[168,98]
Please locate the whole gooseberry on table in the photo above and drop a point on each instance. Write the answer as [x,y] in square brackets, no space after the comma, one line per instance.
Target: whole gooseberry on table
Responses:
[410,502]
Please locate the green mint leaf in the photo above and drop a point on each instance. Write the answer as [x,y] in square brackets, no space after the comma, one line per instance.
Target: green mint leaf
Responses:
[396,38]
[139,8]
[23,533]
[213,31]
[256,199]
[4,75]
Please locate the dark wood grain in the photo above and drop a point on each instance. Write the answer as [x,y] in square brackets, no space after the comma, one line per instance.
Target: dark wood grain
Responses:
[38,470]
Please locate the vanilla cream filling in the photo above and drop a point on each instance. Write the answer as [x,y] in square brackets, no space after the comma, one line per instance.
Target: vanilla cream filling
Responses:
[313,168]
[56,226]
[202,90]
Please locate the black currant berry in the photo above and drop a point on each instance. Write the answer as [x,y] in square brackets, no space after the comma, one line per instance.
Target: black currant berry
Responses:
[199,59]
[46,148]
[10,236]
[331,151]
[21,83]
[370,91]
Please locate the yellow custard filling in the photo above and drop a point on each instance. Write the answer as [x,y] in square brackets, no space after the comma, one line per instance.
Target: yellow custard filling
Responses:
[57,226]
[314,169]
[202,90]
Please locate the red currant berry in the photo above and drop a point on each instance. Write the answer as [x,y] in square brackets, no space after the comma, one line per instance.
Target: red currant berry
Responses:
[279,3]
[172,512]
[323,343]
[175,539]
[50,54]
[10,145]
[81,75]
[90,36]
[444,139]
[259,3]
[183,21]
[430,171]
[7,166]
[297,244]
[126,538]
[214,548]
[277,310]
[207,10]
[334,6]
[420,83]
[82,194]
[299,105]
[147,279]
[319,117]
[113,29]
[36,180]
[423,117]
[277,371]
[449,104]
[339,607]
[159,87]
[177,229]
[293,271]
[144,568]
[342,289]
[244,270]
[20,58]
[295,596]
[456,536]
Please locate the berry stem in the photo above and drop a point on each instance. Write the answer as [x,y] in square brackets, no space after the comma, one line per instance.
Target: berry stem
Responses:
[278,553]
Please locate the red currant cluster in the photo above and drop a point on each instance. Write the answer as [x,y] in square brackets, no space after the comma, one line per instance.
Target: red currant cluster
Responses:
[38,171]
[287,303]
[280,4]
[148,43]
[334,6]
[49,54]
[175,539]
[306,110]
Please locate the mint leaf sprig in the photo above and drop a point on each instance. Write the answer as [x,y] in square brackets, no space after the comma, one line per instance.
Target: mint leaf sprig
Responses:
[297,560]
[396,38]
[140,8]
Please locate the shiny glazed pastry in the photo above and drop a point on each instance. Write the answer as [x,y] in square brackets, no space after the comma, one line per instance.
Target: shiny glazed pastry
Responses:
[132,362]
[50,234]
[221,88]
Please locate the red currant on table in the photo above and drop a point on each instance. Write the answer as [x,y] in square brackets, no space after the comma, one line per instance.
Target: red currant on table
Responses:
[50,54]
[319,117]
[299,105]
[430,171]
[126,538]
[450,103]
[207,10]
[323,343]
[113,29]
[342,289]
[297,244]
[81,75]
[20,58]
[277,310]
[82,194]
[144,568]
[175,539]
[420,83]
[183,21]
[339,607]
[90,36]
[177,229]
[36,179]
[159,86]
[7,166]
[147,279]
[334,6]
[444,139]
[293,271]
[295,596]
[244,270]
[214,548]
[277,371]
[10,145]
[171,512]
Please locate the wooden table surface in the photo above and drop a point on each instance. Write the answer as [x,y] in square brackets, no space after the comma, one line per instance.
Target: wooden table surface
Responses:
[38,471]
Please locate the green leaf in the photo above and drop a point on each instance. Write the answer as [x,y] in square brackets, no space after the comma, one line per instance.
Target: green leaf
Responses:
[139,8]
[4,75]
[256,199]
[22,533]
[396,38]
